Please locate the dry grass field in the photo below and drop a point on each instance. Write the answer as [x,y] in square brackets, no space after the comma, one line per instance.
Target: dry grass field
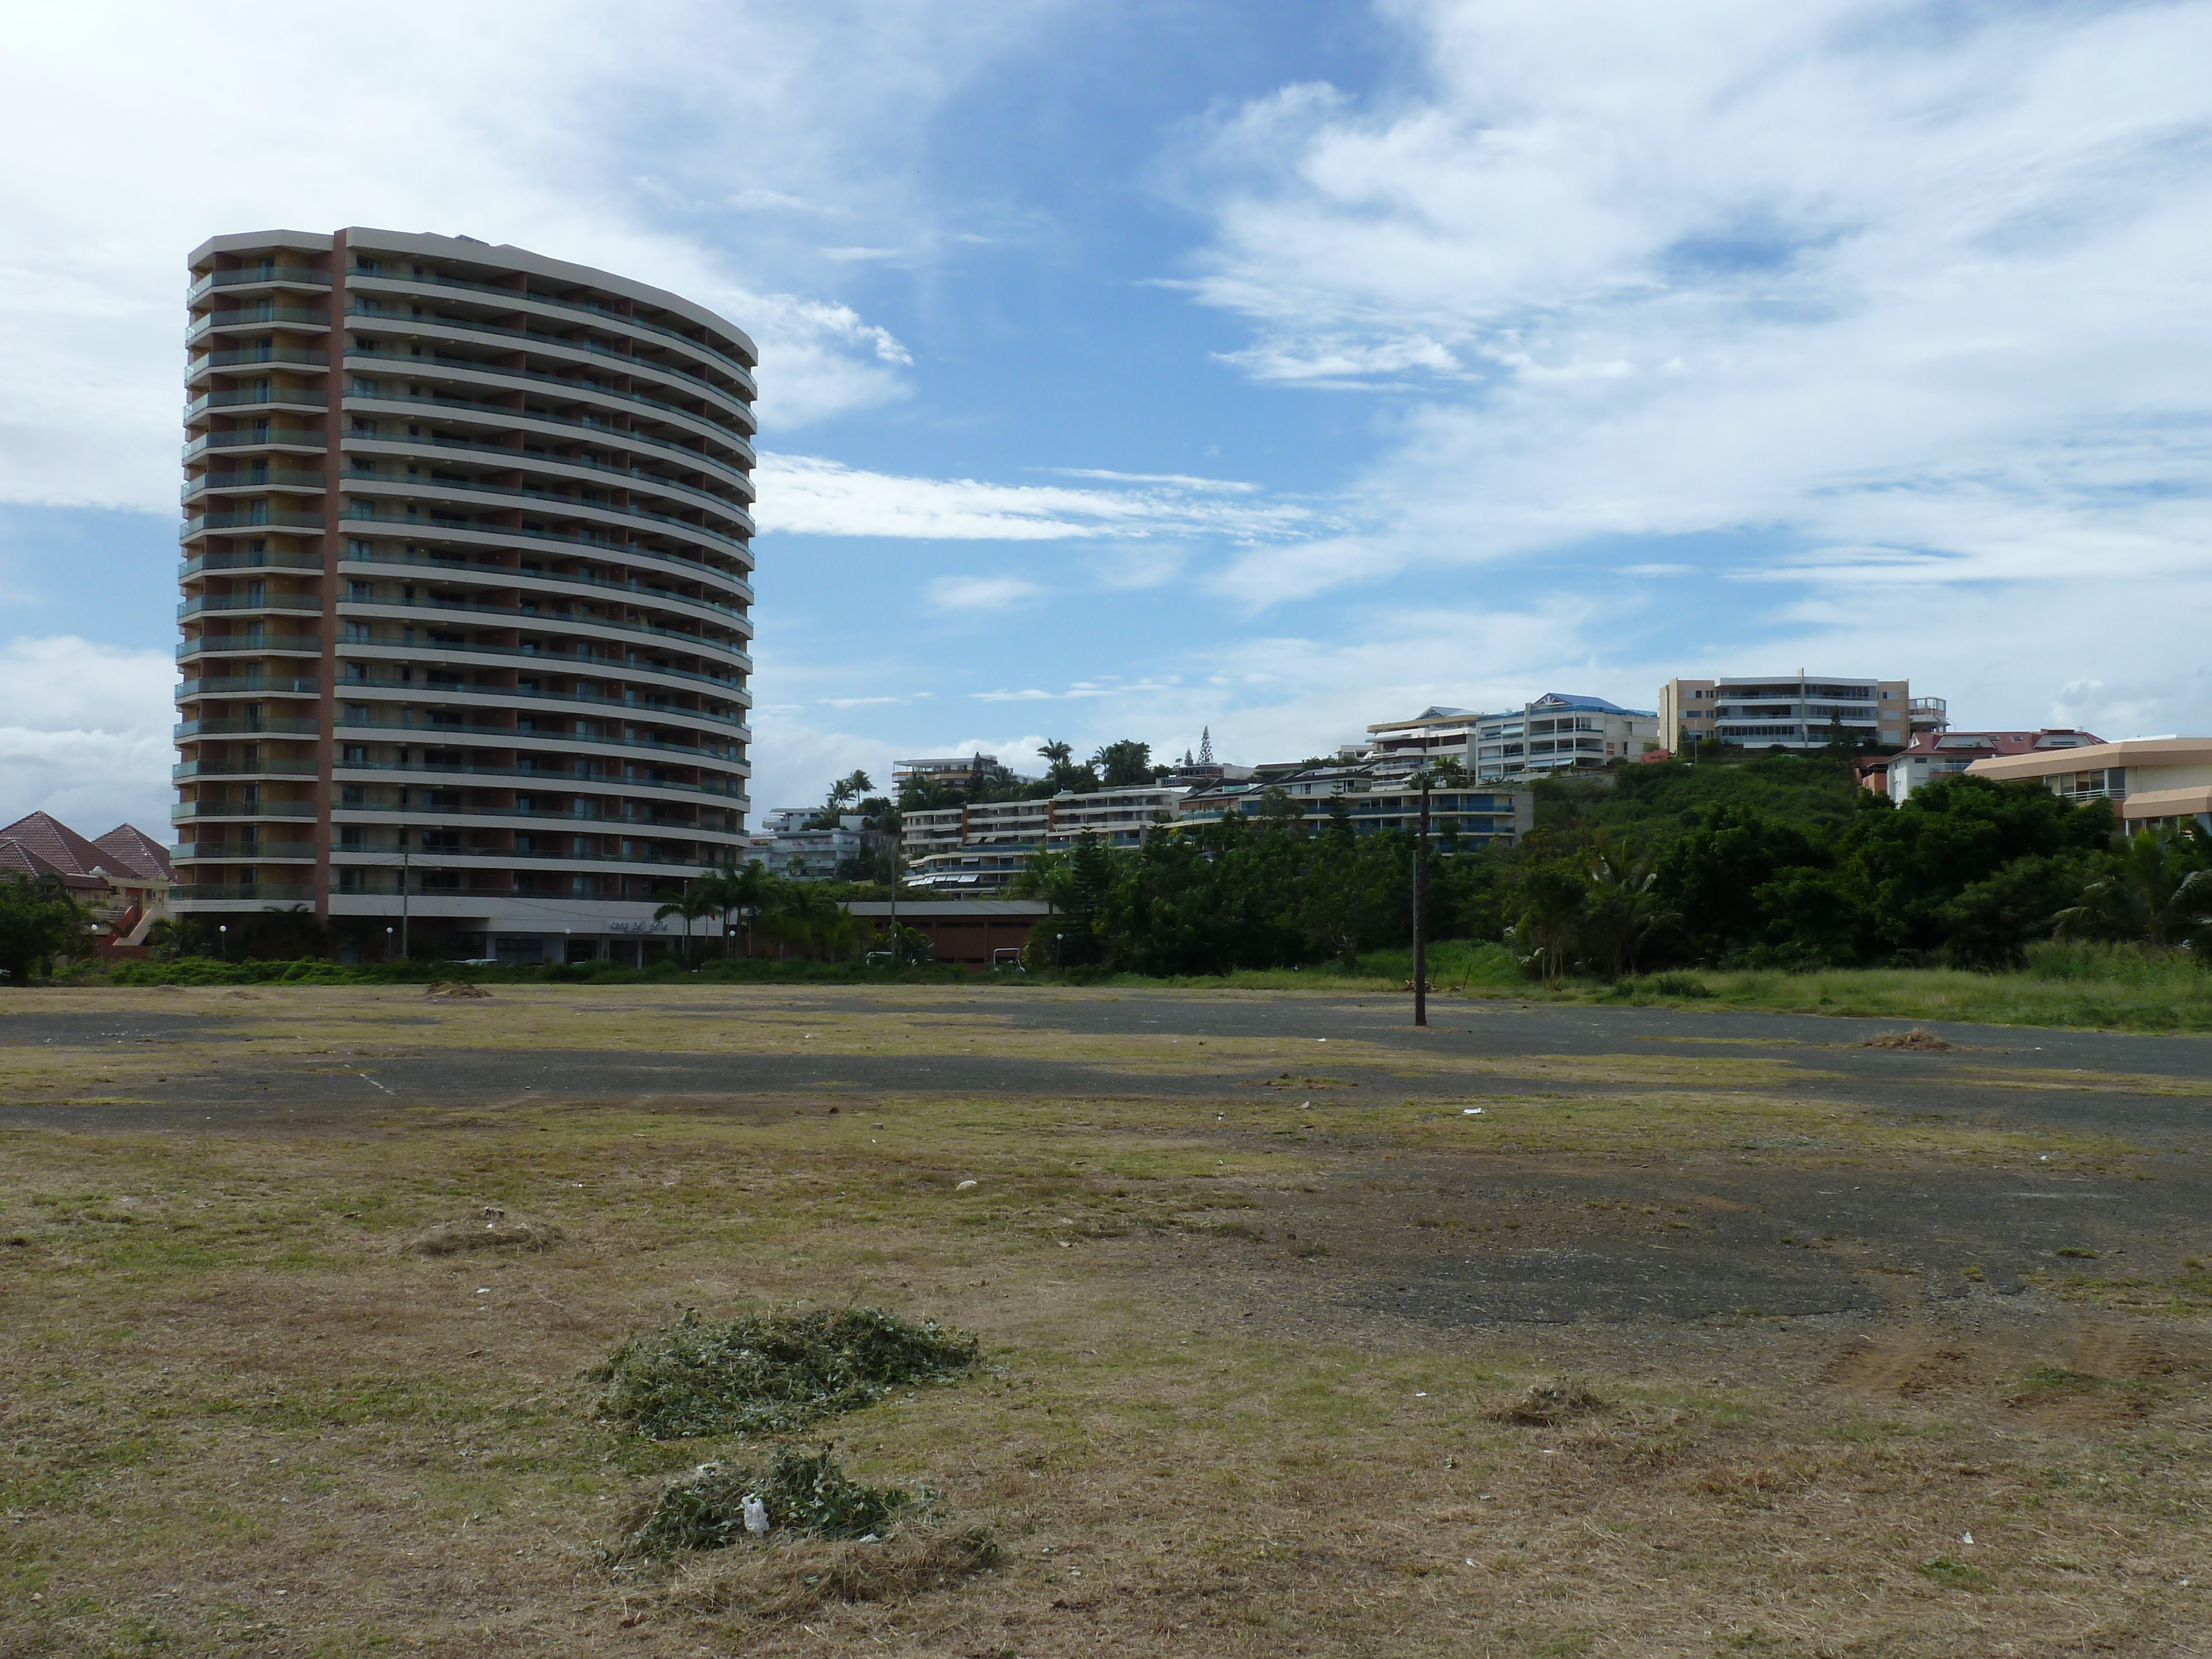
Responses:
[1701,1336]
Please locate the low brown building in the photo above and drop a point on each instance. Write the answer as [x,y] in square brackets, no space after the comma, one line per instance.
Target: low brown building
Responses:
[123,877]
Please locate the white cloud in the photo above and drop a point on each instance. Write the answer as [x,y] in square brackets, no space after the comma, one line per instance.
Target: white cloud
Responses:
[981,593]
[805,495]
[530,135]
[1922,285]
[85,733]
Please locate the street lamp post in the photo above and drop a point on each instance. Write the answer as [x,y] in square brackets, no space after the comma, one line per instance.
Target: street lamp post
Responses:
[222,941]
[387,944]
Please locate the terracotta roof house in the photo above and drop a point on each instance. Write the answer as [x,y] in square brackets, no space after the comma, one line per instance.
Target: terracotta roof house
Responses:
[123,877]
[1932,755]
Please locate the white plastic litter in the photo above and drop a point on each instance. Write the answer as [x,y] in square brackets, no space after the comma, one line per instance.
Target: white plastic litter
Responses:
[962,1186]
[1470,1111]
[1966,1537]
[756,1513]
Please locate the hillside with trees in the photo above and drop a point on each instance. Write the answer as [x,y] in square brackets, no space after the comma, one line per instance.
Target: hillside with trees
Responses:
[1779,860]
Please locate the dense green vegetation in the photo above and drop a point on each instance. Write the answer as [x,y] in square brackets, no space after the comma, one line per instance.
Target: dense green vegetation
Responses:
[1780,861]
[37,923]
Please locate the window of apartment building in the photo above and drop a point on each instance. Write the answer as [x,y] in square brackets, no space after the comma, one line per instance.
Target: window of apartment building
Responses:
[355,754]
[353,881]
[2108,784]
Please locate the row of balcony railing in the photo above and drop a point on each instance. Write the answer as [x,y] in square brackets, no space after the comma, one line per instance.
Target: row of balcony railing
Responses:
[732,364]
[742,396]
[582,390]
[625,436]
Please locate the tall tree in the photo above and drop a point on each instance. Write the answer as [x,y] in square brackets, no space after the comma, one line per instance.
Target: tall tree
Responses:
[1125,764]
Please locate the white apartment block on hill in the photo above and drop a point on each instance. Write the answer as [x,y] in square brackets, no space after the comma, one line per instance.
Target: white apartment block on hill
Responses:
[1558,732]
[979,846]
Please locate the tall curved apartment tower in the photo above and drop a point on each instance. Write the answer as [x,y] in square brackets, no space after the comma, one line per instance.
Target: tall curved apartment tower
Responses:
[466,597]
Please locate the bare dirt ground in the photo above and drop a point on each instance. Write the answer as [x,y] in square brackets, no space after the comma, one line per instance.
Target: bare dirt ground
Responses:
[1258,1277]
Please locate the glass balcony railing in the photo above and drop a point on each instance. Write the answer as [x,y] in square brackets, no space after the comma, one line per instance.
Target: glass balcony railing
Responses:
[434,526]
[278,725]
[269,768]
[730,363]
[241,809]
[269,437]
[250,685]
[299,274]
[604,779]
[206,852]
[498,736]
[232,645]
[507,575]
[287,396]
[581,389]
[245,558]
[615,435]
[260,316]
[265,892]
[299,356]
[588,662]
[309,604]
[638,709]
[561,504]
[275,518]
[628,362]
[435,484]
[551,620]
[259,478]
[524,459]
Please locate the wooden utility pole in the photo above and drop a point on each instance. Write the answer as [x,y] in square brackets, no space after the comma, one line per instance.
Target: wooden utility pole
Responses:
[1420,908]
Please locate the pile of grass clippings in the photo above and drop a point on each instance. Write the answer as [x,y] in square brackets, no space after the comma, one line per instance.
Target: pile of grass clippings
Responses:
[805,1493]
[1916,1040]
[793,1578]
[1544,1405]
[490,1229]
[772,1373]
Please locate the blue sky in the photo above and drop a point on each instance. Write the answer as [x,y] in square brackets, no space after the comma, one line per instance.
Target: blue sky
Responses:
[1275,367]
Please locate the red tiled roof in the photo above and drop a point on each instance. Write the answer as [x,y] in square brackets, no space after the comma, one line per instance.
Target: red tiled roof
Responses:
[145,855]
[17,857]
[55,842]
[1997,742]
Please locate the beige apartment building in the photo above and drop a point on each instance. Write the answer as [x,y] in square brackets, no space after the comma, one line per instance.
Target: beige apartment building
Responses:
[466,597]
[2152,782]
[1793,711]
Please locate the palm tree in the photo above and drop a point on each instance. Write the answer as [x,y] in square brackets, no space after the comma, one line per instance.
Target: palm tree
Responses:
[731,891]
[2157,893]
[693,904]
[1625,908]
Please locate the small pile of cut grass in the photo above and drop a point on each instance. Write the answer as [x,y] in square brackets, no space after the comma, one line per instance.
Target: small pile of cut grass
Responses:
[805,1493]
[791,1579]
[1916,1040]
[772,1373]
[490,1229]
[1545,1405]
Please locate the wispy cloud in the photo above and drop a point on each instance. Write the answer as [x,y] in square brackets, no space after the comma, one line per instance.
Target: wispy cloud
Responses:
[1181,480]
[805,495]
[1830,272]
[981,593]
